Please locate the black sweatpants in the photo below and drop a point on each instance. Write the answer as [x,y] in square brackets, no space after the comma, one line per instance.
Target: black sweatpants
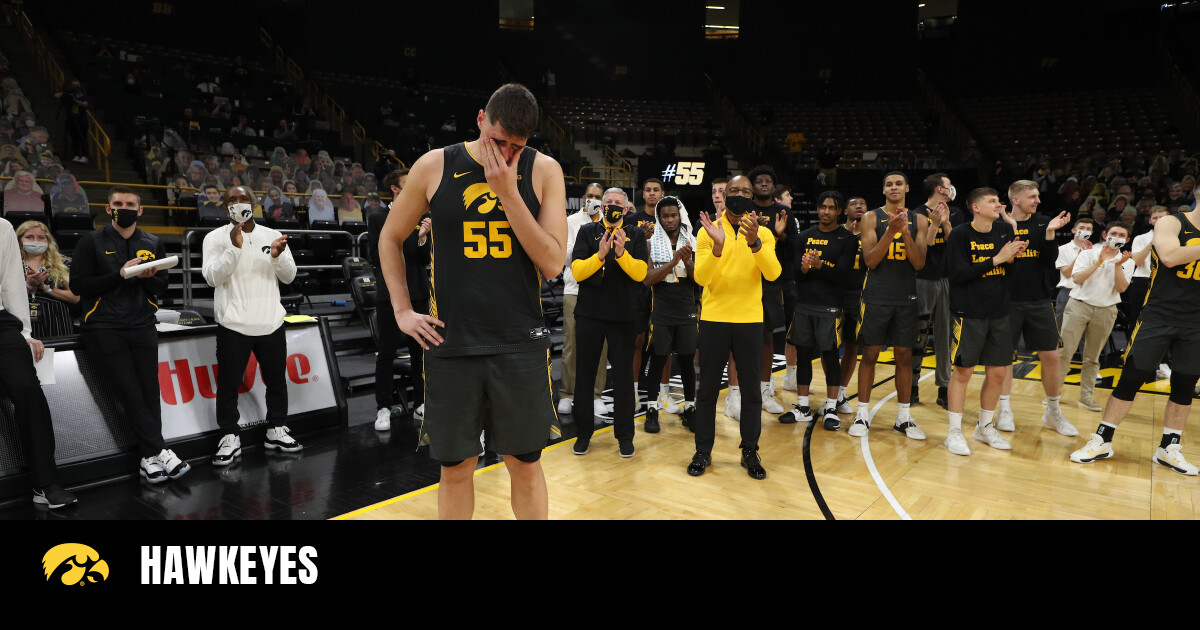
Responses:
[685,354]
[31,411]
[390,337]
[129,357]
[590,335]
[233,353]
[718,339]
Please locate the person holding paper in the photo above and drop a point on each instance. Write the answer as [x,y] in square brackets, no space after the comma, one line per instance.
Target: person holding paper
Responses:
[118,323]
[245,262]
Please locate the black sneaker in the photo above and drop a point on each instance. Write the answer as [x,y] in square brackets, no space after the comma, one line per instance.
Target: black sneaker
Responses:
[53,496]
[943,400]
[688,419]
[700,461]
[753,464]
[626,449]
[651,425]
[832,421]
[797,414]
[581,445]
[916,396]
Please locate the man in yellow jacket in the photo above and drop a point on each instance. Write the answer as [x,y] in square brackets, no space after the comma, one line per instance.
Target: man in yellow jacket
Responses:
[733,255]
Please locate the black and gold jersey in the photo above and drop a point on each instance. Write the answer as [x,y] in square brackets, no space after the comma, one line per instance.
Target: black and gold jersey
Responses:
[1174,295]
[894,281]
[485,287]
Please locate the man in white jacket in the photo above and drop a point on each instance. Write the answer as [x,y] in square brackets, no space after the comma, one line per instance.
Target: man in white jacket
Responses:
[245,264]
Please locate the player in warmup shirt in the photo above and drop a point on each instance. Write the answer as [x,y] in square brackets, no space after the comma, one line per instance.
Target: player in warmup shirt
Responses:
[824,254]
[855,276]
[893,243]
[673,321]
[979,261]
[1170,321]
[1031,306]
[933,289]
[499,218]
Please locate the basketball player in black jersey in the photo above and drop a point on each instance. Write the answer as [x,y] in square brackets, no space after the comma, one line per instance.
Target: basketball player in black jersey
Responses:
[856,208]
[893,243]
[499,226]
[1170,321]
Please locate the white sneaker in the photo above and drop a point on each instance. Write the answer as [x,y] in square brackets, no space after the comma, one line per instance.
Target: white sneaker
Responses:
[1045,401]
[419,412]
[859,428]
[797,414]
[789,383]
[667,403]
[383,419]
[279,438]
[229,449]
[988,435]
[599,408]
[564,406]
[956,443]
[733,405]
[171,464]
[843,406]
[910,430]
[769,403]
[1004,421]
[152,471]
[1057,421]
[1096,448]
[1164,372]
[83,159]
[1172,458]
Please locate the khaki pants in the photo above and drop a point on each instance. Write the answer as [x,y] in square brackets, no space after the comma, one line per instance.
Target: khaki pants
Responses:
[1096,322]
[568,354]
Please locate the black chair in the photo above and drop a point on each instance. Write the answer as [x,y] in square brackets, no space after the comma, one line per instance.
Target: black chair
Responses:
[354,227]
[188,317]
[323,225]
[285,224]
[354,267]
[322,248]
[74,221]
[363,290]
[17,218]
[213,222]
[68,239]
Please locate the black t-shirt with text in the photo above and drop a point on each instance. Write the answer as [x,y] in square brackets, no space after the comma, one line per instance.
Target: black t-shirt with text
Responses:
[935,258]
[978,289]
[1029,276]
[822,291]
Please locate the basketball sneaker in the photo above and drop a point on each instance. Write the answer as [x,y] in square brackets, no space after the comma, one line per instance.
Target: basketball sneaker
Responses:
[733,404]
[668,404]
[229,449]
[687,418]
[53,497]
[910,430]
[564,406]
[1057,421]
[797,414]
[279,438]
[770,404]
[582,445]
[151,470]
[172,465]
[383,419]
[651,425]
[626,449]
[988,435]
[789,383]
[843,406]
[1172,458]
[859,428]
[832,421]
[1096,448]
[599,408]
[1004,421]
[956,443]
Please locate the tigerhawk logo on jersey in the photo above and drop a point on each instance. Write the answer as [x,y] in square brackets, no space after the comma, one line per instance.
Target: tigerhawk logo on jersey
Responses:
[145,255]
[480,197]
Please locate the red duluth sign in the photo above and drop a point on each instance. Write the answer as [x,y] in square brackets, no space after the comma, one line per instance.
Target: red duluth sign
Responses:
[175,379]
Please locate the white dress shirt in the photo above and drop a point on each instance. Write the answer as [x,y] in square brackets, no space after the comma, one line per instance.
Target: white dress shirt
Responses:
[1100,289]
[1066,254]
[1140,243]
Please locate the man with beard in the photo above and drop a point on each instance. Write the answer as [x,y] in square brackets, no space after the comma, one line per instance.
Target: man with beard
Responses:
[733,255]
[893,244]
[933,289]
[1031,308]
[673,320]
[823,255]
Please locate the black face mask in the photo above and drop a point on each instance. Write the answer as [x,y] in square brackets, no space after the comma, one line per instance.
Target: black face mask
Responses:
[739,205]
[613,214]
[124,217]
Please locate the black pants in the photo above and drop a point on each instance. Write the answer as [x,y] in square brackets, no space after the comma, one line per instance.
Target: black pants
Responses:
[684,353]
[390,336]
[130,358]
[233,353]
[1135,299]
[718,339]
[31,411]
[590,335]
[830,361]
[77,131]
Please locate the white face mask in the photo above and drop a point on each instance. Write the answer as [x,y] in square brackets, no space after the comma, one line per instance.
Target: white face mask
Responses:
[951,193]
[241,212]
[1116,242]
[35,247]
[592,206]
[1083,235]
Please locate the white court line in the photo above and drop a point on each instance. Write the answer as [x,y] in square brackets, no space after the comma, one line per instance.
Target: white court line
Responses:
[866,451]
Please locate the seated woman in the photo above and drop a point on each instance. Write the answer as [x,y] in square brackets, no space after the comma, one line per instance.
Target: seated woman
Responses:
[348,208]
[47,281]
[275,206]
[22,194]
[320,208]
[67,196]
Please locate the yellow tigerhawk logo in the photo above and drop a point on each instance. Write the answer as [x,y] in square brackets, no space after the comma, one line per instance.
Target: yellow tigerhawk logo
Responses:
[481,197]
[82,564]
[145,254]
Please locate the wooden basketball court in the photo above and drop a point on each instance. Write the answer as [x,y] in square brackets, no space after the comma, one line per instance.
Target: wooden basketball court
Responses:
[1035,480]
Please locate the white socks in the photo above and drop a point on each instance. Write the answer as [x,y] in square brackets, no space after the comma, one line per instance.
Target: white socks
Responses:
[802,401]
[841,393]
[791,372]
[1004,406]
[864,411]
[985,417]
[955,421]
[664,388]
[734,389]
[1051,402]
[902,413]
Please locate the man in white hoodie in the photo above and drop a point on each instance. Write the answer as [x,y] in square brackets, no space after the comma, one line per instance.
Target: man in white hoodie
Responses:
[245,263]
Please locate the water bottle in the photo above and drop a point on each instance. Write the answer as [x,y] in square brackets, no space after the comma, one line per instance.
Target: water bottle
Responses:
[338,303]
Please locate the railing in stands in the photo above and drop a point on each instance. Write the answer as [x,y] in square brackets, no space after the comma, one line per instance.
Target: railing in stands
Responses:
[606,175]
[613,159]
[737,128]
[98,139]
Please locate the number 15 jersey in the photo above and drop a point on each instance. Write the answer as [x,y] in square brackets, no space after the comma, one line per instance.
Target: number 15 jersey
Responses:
[485,289]
[893,282]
